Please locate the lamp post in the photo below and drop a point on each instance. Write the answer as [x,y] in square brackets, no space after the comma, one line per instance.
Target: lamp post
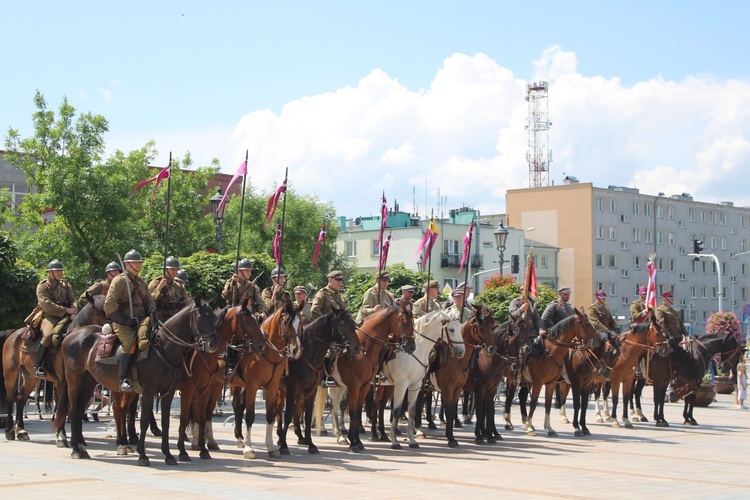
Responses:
[501,237]
[734,257]
[218,216]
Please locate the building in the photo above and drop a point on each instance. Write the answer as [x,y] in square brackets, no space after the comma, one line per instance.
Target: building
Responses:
[13,179]
[606,236]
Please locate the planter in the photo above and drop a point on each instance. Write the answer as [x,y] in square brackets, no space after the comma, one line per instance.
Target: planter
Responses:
[705,395]
[724,385]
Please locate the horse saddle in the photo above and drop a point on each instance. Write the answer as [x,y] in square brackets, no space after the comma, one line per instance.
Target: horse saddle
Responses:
[110,348]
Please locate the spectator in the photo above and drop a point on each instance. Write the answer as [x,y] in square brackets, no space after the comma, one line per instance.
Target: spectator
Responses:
[741,385]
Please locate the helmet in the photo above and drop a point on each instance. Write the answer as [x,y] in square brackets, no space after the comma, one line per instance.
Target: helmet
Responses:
[172,263]
[182,275]
[245,264]
[277,271]
[55,265]
[112,266]
[133,256]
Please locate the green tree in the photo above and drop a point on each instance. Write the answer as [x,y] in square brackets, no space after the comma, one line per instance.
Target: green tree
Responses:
[359,281]
[17,293]
[500,290]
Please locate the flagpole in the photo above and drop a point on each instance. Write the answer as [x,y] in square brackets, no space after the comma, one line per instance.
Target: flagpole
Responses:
[429,263]
[166,229]
[283,216]
[466,275]
[242,211]
[380,240]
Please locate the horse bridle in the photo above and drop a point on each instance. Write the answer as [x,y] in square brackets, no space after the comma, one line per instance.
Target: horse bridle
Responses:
[199,342]
[286,351]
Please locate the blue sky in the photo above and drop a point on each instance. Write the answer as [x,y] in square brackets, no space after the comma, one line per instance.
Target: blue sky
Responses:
[399,95]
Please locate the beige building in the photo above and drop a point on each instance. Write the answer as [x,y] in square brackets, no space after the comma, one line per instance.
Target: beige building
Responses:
[605,237]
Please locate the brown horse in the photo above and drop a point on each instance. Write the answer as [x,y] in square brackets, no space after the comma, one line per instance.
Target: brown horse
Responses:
[388,329]
[199,393]
[18,359]
[263,370]
[192,328]
[333,332]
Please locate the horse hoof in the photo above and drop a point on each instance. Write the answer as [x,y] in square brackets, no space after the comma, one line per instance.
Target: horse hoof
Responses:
[578,433]
[128,449]
[361,447]
[509,427]
[479,440]
[274,454]
[616,425]
[301,442]
[431,426]
[609,420]
[375,439]
[628,425]
[205,455]
[419,434]
[396,446]
[184,457]
[635,418]
[530,432]
[170,461]
[599,420]
[385,439]
[643,419]
[156,432]
[453,444]
[690,424]
[23,436]
[284,451]
[143,462]
[61,444]
[399,432]
[491,440]
[80,454]
[240,443]
[354,448]
[213,446]
[324,432]
[122,450]
[662,424]
[313,450]
[342,440]
[9,436]
[195,447]
[249,454]
[564,420]
[413,445]
[458,425]
[551,433]
[133,440]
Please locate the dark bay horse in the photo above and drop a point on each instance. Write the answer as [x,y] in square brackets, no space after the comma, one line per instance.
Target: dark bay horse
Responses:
[332,332]
[199,391]
[388,329]
[18,359]
[685,367]
[192,328]
[263,370]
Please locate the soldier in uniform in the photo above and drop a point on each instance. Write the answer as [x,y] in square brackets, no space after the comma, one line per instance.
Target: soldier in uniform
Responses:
[100,287]
[669,317]
[558,309]
[57,302]
[526,310]
[329,297]
[601,317]
[129,292]
[300,297]
[273,296]
[462,311]
[239,287]
[407,294]
[167,293]
[376,297]
[427,303]
[638,310]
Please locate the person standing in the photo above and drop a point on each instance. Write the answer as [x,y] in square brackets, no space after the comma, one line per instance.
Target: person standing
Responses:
[130,307]
[558,309]
[239,287]
[741,386]
[428,302]
[329,297]
[669,317]
[376,297]
[273,296]
[638,310]
[100,287]
[168,295]
[56,300]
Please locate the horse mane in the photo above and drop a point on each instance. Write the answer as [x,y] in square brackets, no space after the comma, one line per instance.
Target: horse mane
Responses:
[641,328]
[312,331]
[86,315]
[687,365]
[430,317]
[221,315]
[560,327]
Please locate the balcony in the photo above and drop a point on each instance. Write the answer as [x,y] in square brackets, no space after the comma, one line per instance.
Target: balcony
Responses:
[454,260]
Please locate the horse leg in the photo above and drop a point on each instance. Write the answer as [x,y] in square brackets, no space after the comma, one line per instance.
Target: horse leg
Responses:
[561,394]
[523,394]
[271,392]
[147,403]
[479,427]
[548,394]
[381,415]
[615,385]
[337,394]
[584,403]
[166,406]
[419,401]
[627,399]
[309,402]
[577,403]
[398,395]
[186,406]
[429,414]
[597,395]
[535,390]
[289,414]
[248,451]
[606,389]
[77,406]
[61,413]
[638,392]
[28,385]
[688,410]
[121,409]
[355,399]
[238,405]
[510,392]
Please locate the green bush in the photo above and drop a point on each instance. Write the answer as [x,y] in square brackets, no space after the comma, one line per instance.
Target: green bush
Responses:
[18,290]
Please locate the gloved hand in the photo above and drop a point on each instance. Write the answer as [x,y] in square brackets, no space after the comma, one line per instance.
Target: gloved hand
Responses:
[131,323]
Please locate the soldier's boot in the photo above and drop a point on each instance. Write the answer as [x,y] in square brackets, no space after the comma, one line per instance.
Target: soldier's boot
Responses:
[126,385]
[328,366]
[41,355]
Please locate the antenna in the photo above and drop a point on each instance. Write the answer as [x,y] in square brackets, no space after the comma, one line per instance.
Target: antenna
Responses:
[538,155]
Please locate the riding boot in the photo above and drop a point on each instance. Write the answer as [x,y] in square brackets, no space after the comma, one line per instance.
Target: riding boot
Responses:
[328,372]
[41,355]
[126,384]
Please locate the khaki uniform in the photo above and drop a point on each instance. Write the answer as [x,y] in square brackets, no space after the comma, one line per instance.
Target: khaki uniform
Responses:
[533,320]
[272,300]
[237,289]
[326,300]
[638,311]
[420,307]
[555,312]
[370,300]
[117,299]
[99,287]
[469,312]
[168,299]
[669,318]
[54,297]
[601,317]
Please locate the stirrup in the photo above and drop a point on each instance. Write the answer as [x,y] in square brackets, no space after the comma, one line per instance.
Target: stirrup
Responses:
[39,372]
[329,382]
[126,385]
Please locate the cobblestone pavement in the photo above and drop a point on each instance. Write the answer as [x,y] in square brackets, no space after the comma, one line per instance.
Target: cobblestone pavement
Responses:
[689,462]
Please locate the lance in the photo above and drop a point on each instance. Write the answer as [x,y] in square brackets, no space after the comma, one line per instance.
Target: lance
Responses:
[239,232]
[428,256]
[380,240]
[166,228]
[283,216]
[466,275]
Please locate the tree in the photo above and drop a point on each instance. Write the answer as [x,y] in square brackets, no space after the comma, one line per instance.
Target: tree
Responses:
[360,281]
[501,289]
[17,293]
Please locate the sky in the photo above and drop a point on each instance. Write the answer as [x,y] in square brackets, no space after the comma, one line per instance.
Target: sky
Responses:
[424,100]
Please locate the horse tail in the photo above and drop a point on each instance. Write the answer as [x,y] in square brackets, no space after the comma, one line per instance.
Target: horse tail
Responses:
[4,335]
[320,402]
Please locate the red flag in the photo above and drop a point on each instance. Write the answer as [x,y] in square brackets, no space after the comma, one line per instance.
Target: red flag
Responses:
[163,174]
[651,287]
[240,171]
[321,240]
[467,246]
[384,252]
[428,240]
[273,202]
[383,217]
[532,278]
[277,245]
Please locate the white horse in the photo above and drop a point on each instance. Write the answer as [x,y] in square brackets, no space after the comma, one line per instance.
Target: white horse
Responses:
[407,371]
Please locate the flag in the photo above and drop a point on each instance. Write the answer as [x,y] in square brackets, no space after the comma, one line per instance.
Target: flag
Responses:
[383,217]
[428,240]
[529,282]
[240,171]
[277,245]
[467,246]
[273,202]
[163,174]
[384,252]
[651,287]
[321,240]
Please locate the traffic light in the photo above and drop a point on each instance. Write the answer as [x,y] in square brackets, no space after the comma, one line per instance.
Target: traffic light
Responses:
[697,246]
[515,264]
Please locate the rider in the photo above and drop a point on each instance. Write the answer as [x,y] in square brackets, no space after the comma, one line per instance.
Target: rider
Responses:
[407,295]
[273,296]
[57,301]
[168,295]
[462,311]
[239,287]
[330,296]
[558,309]
[638,309]
[601,317]
[182,279]
[300,297]
[376,297]
[427,303]
[100,287]
[130,306]
[525,308]
[669,317]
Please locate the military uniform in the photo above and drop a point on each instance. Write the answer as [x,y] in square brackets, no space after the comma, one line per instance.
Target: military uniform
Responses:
[638,311]
[370,300]
[99,287]
[326,300]
[168,299]
[669,318]
[468,312]
[420,306]
[237,289]
[555,312]
[601,317]
[273,300]
[117,307]
[54,298]
[533,320]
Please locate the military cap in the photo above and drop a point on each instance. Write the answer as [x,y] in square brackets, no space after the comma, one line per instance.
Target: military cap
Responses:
[642,290]
[335,275]
[668,295]
[300,289]
[112,266]
[172,263]
[245,264]
[182,275]
[133,256]
[432,284]
[457,291]
[407,288]
[55,265]
[563,289]
[278,271]
[383,276]
[464,285]
[601,294]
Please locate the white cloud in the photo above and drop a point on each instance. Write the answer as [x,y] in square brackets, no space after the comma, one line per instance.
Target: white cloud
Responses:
[106,94]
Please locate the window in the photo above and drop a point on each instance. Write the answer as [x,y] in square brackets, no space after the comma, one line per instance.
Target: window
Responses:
[713,217]
[659,211]
[624,245]
[649,236]
[683,251]
[624,218]
[612,206]
[542,261]
[636,208]
[742,269]
[692,292]
[742,221]
[637,235]
[351,248]
[742,245]
[693,266]
[612,233]
[17,191]
[599,232]
[681,224]
[613,289]
[723,243]
[704,295]
[670,212]
[613,261]
[599,260]
[683,277]
[703,266]
[713,292]
[598,205]
[599,285]
[625,301]
[647,210]
[670,239]
[723,219]
[450,247]
[659,238]
[451,282]
[659,263]
[692,215]
[672,265]
[703,216]
[375,250]
[625,273]
[713,242]
[743,293]
[636,262]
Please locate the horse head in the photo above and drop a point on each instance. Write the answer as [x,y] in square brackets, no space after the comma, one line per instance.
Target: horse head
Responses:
[731,352]
[586,331]
[205,324]
[479,329]
[451,330]
[90,314]
[239,322]
[656,338]
[403,333]
[345,331]
[292,327]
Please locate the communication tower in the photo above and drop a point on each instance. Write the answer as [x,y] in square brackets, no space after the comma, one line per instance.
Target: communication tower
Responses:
[539,155]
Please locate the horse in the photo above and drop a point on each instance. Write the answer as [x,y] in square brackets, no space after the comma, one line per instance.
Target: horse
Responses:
[18,359]
[333,332]
[263,370]
[686,366]
[199,392]
[390,328]
[192,328]
[545,369]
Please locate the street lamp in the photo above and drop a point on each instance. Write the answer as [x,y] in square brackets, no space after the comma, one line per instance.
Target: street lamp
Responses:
[734,257]
[501,237]
[218,215]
